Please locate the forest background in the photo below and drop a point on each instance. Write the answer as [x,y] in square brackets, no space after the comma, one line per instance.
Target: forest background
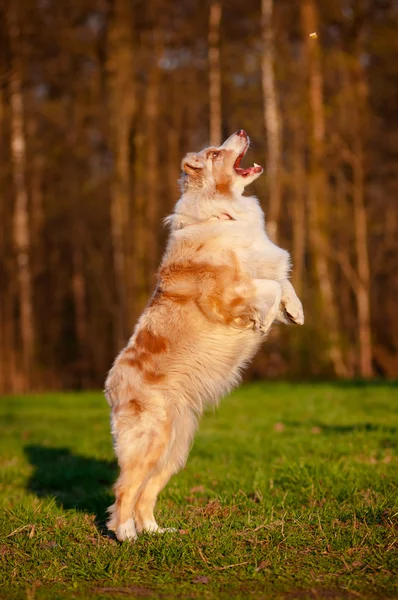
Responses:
[100,100]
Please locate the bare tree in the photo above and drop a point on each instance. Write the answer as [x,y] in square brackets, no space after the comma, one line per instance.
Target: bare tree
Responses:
[353,124]
[272,120]
[362,289]
[173,137]
[4,345]
[79,297]
[139,289]
[21,211]
[317,189]
[152,146]
[215,73]
[361,245]
[298,205]
[37,167]
[121,91]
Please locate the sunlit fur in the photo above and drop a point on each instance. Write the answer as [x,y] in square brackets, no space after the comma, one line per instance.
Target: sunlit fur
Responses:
[220,286]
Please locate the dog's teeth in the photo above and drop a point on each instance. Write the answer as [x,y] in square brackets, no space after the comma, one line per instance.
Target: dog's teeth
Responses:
[256,165]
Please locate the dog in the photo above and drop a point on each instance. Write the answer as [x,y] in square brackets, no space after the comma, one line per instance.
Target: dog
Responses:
[221,285]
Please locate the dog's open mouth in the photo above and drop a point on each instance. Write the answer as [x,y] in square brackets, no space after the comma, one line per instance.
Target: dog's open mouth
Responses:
[245,172]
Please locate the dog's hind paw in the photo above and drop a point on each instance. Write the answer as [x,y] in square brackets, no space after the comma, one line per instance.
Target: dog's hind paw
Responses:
[166,530]
[126,531]
[153,527]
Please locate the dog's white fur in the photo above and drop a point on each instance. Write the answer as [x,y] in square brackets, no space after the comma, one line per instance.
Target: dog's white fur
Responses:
[221,285]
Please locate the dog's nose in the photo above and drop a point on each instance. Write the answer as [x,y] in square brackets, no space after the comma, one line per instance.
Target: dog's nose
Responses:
[242,133]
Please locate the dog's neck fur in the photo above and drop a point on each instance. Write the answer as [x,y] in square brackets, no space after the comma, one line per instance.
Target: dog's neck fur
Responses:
[201,207]
[222,217]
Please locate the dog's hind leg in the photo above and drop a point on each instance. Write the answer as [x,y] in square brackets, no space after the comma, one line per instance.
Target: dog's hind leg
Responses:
[139,451]
[143,511]
[184,423]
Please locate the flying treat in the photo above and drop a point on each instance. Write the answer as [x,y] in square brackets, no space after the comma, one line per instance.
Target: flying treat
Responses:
[314,35]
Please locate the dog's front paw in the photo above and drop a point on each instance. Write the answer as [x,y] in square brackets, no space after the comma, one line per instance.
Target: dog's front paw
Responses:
[293,310]
[268,299]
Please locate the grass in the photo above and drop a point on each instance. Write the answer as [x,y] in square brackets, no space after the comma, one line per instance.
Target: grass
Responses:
[290,492]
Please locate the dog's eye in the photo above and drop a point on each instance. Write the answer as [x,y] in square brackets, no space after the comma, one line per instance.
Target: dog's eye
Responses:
[215,154]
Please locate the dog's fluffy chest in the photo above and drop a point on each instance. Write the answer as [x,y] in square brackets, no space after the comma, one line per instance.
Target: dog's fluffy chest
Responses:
[257,255]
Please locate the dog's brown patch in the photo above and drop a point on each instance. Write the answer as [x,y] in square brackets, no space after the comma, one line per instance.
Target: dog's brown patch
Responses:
[135,358]
[151,343]
[157,446]
[208,286]
[224,187]
[178,298]
[153,462]
[130,361]
[238,301]
[187,277]
[153,377]
[136,405]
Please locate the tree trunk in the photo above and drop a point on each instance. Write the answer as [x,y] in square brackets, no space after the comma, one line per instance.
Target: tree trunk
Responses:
[361,234]
[21,214]
[37,167]
[173,139]
[298,207]
[120,67]
[138,226]
[353,110]
[271,120]
[152,147]
[4,342]
[317,191]
[79,298]
[76,115]
[363,290]
[215,73]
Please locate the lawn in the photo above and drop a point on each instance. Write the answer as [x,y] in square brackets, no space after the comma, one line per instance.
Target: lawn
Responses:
[290,492]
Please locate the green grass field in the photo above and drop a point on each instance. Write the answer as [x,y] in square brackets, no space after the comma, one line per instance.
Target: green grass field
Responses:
[290,492]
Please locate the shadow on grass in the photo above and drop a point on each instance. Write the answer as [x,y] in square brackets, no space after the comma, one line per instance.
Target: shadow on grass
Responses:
[341,429]
[365,383]
[75,481]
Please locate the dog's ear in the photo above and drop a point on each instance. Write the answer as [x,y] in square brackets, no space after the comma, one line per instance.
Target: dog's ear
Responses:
[191,169]
[192,164]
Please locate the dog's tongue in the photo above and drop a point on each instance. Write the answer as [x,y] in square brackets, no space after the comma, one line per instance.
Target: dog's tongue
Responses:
[245,172]
[250,171]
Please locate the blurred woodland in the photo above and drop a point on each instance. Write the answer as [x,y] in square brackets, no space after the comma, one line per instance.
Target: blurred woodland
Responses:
[100,100]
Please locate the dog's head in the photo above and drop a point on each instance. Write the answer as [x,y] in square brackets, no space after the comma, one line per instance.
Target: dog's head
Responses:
[219,168]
